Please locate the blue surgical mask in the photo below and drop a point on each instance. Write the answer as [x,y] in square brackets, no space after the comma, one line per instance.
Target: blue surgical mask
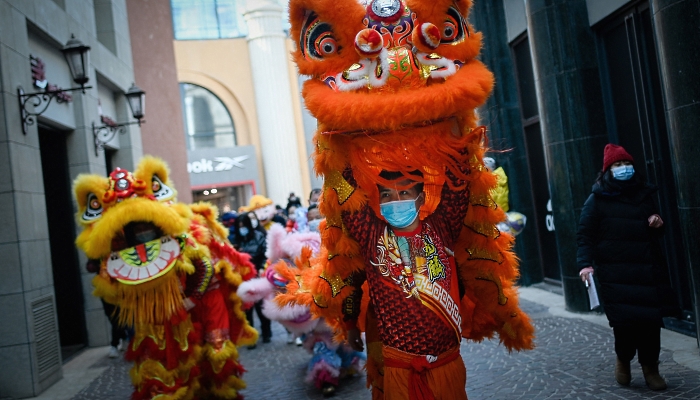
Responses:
[313,225]
[243,231]
[399,214]
[623,172]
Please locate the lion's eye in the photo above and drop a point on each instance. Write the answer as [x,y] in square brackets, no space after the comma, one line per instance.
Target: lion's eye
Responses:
[317,41]
[327,45]
[93,210]
[161,191]
[455,27]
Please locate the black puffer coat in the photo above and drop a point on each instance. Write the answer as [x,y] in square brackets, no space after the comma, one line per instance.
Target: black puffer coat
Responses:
[254,244]
[615,238]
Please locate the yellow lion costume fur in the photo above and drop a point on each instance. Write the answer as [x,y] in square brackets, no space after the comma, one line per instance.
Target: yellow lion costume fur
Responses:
[394,86]
[173,275]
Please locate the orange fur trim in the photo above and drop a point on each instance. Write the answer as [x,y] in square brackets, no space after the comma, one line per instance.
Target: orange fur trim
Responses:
[465,90]
[345,18]
[435,12]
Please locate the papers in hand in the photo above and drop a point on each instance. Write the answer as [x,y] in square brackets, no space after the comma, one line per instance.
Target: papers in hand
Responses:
[592,292]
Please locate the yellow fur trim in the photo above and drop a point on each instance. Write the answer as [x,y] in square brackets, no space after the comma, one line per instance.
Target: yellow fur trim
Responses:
[218,358]
[153,302]
[210,214]
[151,369]
[231,276]
[149,166]
[105,289]
[181,394]
[180,333]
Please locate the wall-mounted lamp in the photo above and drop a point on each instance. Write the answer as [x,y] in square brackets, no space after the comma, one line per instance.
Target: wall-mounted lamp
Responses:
[137,102]
[78,58]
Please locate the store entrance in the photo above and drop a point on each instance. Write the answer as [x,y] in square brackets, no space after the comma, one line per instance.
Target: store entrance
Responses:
[226,198]
[543,222]
[64,256]
[636,120]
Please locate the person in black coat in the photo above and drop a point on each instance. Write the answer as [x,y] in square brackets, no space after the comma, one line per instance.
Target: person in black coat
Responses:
[618,238]
[252,241]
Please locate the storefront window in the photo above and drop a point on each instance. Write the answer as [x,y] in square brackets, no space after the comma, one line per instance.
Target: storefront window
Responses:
[208,123]
[208,19]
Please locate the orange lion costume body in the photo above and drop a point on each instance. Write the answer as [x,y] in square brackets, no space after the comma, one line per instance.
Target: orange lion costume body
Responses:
[173,275]
[394,86]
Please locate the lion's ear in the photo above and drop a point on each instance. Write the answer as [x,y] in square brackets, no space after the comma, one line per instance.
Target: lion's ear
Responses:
[154,170]
[89,191]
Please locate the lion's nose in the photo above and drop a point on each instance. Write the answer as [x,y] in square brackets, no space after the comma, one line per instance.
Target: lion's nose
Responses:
[369,43]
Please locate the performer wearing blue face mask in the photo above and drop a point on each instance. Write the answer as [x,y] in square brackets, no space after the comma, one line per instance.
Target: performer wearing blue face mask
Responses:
[618,238]
[411,274]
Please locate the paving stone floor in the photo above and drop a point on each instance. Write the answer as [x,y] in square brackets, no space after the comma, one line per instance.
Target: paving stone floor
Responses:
[574,359]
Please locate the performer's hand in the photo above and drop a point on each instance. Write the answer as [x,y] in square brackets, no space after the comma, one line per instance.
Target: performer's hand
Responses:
[655,221]
[584,273]
[355,340]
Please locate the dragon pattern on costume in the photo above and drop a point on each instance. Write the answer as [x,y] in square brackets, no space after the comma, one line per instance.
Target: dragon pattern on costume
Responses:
[173,275]
[394,86]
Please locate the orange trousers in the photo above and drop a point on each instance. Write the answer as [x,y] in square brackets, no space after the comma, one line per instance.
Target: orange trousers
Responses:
[411,377]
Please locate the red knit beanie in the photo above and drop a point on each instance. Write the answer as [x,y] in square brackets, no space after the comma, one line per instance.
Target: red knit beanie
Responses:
[614,153]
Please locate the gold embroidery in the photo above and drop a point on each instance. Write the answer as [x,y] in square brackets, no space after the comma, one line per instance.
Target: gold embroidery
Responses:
[335,281]
[485,229]
[508,329]
[483,200]
[336,181]
[474,164]
[502,299]
[436,269]
[320,301]
[483,254]
[335,221]
[300,282]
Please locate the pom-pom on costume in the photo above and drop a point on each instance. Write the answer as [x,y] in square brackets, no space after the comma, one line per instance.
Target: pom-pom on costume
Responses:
[394,87]
[173,275]
[330,360]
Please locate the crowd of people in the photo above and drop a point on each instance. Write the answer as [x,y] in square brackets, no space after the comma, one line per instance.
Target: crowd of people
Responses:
[280,240]
[248,235]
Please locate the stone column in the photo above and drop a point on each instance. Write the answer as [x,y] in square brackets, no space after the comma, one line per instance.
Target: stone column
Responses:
[273,99]
[501,115]
[574,133]
[677,33]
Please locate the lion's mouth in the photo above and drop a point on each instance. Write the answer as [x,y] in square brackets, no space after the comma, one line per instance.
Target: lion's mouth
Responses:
[135,233]
[141,252]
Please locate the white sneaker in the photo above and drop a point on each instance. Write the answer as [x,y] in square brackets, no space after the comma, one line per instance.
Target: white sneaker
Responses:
[298,341]
[123,344]
[113,352]
[290,338]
